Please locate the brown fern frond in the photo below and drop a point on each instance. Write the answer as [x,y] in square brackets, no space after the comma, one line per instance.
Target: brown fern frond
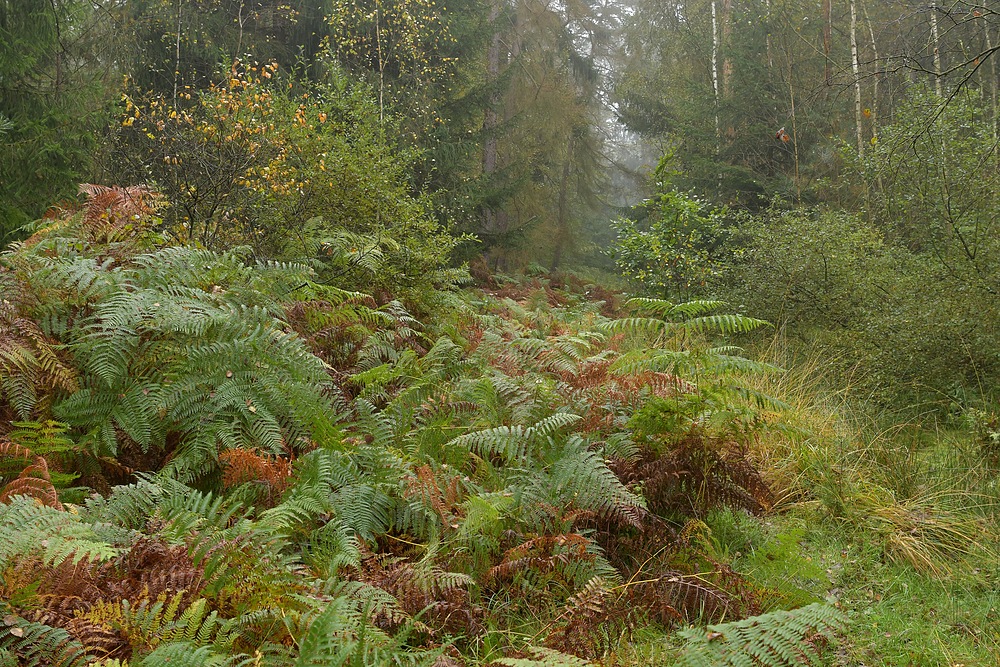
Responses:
[13,450]
[149,569]
[109,210]
[440,491]
[112,203]
[70,586]
[242,465]
[697,474]
[333,332]
[69,613]
[30,367]
[37,488]
[85,598]
[610,395]
[543,554]
[98,639]
[673,597]
[48,616]
[442,596]
[34,480]
[587,610]
[154,568]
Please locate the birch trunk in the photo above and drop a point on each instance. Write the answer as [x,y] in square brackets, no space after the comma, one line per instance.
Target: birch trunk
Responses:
[795,131]
[856,70]
[767,40]
[875,79]
[715,67]
[993,78]
[935,37]
[727,61]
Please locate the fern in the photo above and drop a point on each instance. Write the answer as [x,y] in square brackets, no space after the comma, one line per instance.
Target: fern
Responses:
[579,478]
[29,363]
[37,643]
[544,657]
[130,506]
[185,654]
[777,639]
[690,317]
[31,530]
[151,624]
[514,443]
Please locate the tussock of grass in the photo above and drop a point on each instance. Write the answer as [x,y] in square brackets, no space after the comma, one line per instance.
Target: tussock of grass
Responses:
[931,532]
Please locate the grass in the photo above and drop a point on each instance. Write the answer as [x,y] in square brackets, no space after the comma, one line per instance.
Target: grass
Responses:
[895,524]
[899,616]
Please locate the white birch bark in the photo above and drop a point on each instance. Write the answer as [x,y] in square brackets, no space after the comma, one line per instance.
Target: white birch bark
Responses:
[937,50]
[856,71]
[715,66]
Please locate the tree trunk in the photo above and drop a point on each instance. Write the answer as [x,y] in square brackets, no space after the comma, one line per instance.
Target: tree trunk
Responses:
[795,132]
[993,80]
[562,213]
[827,41]
[936,39]
[491,223]
[715,66]
[856,70]
[177,53]
[767,39]
[873,120]
[715,89]
[727,61]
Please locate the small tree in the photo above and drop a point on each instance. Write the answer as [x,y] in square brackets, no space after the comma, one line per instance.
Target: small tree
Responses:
[669,242]
[292,170]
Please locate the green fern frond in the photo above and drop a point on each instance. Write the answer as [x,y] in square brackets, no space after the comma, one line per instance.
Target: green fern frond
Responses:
[364,509]
[39,644]
[544,657]
[332,548]
[723,323]
[676,362]
[580,478]
[649,327]
[129,505]
[328,640]
[691,317]
[778,639]
[513,443]
[186,654]
[31,530]
[300,508]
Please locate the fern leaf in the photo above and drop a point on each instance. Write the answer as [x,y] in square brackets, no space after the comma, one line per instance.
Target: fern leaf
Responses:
[723,323]
[40,644]
[28,529]
[778,639]
[543,657]
[184,654]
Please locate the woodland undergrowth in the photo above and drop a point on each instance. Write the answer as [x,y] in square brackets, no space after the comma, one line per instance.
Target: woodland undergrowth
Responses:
[207,460]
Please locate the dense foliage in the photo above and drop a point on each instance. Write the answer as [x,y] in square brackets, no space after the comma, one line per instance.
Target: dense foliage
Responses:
[287,463]
[401,332]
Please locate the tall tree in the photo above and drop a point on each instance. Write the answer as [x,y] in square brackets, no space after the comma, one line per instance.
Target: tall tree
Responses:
[57,64]
[176,43]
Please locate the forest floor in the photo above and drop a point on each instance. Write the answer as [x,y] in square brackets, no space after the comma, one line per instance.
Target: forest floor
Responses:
[533,476]
[932,606]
